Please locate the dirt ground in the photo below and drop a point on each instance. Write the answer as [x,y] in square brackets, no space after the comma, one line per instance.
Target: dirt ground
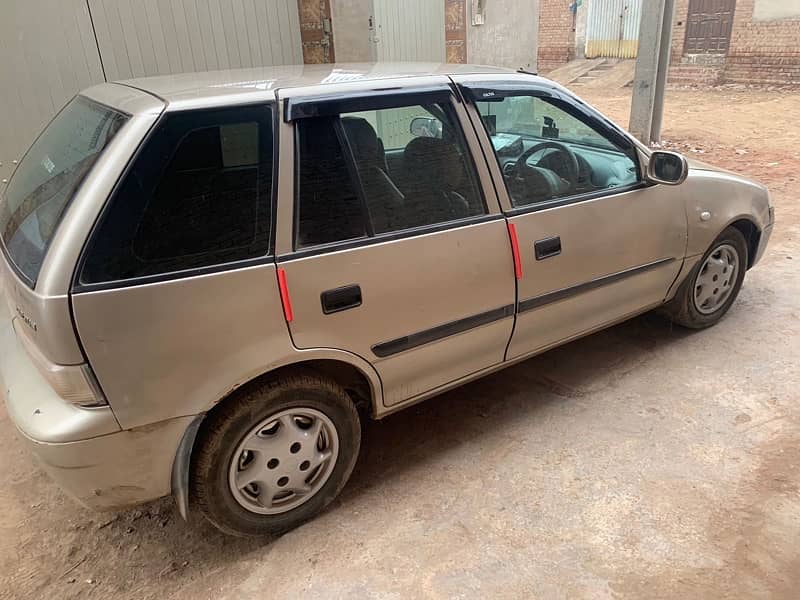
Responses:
[643,461]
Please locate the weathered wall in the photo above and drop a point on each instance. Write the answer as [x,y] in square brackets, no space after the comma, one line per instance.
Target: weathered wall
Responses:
[317,44]
[581,21]
[508,38]
[764,50]
[351,30]
[455,30]
[772,10]
[556,34]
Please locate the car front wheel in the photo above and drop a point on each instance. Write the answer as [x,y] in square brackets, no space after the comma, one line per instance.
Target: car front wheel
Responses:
[276,455]
[713,285]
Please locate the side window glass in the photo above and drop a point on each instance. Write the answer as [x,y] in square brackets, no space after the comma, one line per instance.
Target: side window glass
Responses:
[197,195]
[329,207]
[546,153]
[381,171]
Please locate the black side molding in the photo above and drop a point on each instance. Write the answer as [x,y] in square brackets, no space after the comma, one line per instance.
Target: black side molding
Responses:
[550,297]
[439,332]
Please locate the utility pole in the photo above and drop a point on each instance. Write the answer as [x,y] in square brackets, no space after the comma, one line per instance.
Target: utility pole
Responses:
[652,63]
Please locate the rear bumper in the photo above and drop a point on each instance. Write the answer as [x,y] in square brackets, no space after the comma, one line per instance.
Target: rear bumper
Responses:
[83,449]
[117,470]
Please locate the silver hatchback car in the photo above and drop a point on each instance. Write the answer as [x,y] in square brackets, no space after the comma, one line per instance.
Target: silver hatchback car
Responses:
[212,278]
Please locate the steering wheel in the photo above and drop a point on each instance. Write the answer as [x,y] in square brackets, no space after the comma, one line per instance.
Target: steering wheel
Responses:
[538,177]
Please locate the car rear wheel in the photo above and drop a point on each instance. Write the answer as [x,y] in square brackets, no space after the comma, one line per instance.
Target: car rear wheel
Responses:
[276,455]
[713,285]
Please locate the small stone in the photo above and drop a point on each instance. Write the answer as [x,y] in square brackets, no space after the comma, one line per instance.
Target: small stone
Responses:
[130,530]
[71,580]
[90,581]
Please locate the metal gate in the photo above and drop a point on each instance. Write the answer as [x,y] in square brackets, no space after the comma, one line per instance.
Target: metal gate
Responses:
[612,28]
[708,26]
[50,50]
[409,30]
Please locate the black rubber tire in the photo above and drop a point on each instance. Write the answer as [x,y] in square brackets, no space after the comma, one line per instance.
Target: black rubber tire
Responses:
[681,310]
[226,427]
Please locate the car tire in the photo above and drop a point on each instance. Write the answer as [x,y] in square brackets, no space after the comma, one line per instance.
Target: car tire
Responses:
[275,433]
[710,289]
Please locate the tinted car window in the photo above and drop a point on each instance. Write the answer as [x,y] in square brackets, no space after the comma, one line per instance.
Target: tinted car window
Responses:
[381,171]
[46,180]
[197,195]
[572,156]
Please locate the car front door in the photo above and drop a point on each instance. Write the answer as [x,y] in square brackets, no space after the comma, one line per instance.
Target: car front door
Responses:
[406,263]
[596,244]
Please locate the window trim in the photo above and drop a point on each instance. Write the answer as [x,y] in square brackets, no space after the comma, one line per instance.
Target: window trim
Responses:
[573,106]
[78,287]
[328,105]
[399,99]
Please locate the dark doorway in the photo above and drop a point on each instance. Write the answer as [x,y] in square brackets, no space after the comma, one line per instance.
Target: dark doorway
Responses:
[708,26]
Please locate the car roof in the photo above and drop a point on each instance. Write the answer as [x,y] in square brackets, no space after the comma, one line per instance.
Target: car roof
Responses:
[211,85]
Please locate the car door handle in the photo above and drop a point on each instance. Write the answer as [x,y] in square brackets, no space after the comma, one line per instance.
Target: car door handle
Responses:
[339,299]
[547,247]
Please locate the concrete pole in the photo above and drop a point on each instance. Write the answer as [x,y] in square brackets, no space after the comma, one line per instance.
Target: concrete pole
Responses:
[652,64]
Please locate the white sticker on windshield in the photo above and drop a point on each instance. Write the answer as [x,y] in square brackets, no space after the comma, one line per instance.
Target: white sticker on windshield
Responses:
[48,164]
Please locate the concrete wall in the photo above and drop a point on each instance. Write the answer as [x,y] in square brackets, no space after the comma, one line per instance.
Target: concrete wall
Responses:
[508,38]
[351,30]
[772,10]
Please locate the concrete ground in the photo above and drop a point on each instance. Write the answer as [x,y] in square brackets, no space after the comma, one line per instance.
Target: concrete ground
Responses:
[641,462]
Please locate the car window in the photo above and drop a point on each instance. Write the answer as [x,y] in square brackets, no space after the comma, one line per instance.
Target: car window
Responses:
[368,173]
[197,195]
[46,180]
[547,153]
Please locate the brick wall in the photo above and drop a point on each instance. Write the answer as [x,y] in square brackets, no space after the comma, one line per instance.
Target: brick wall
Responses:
[455,30]
[762,51]
[317,45]
[556,34]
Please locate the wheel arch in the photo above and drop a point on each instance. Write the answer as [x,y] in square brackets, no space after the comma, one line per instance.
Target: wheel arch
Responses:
[354,374]
[751,233]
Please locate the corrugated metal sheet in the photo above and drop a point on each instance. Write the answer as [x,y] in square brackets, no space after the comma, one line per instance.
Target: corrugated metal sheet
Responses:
[47,55]
[612,28]
[157,37]
[409,30]
[48,50]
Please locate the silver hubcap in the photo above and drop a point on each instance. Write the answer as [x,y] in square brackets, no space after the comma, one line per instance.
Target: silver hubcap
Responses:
[716,279]
[283,461]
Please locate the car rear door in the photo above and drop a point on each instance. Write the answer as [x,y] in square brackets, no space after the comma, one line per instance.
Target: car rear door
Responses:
[410,270]
[604,247]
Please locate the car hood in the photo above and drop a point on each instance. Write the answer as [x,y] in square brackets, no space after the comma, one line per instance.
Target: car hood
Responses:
[699,165]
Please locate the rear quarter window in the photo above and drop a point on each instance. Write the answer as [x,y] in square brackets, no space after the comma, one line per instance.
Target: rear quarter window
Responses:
[48,177]
[197,195]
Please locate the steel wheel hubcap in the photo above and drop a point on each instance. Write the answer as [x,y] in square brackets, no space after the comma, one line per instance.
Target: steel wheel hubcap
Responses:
[716,279]
[283,461]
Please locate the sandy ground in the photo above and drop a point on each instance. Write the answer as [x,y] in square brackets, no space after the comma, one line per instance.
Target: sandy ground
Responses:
[643,461]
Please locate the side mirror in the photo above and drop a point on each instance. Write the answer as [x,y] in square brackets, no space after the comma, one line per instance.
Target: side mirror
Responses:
[426,127]
[668,168]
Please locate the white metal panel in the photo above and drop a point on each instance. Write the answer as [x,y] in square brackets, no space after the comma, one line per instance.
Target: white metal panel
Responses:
[47,55]
[139,38]
[409,30]
[612,28]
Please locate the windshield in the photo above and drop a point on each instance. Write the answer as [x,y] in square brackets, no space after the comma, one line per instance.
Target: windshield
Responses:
[47,178]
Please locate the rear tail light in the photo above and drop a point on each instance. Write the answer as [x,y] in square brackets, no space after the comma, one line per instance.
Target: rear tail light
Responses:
[75,384]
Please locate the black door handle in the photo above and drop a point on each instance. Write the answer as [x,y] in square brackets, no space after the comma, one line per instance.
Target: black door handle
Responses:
[340,299]
[547,247]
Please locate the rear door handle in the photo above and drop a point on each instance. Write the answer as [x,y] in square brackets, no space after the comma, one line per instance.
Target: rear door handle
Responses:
[547,247]
[339,299]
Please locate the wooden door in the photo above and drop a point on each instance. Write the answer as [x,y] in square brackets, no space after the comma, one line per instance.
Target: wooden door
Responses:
[708,27]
